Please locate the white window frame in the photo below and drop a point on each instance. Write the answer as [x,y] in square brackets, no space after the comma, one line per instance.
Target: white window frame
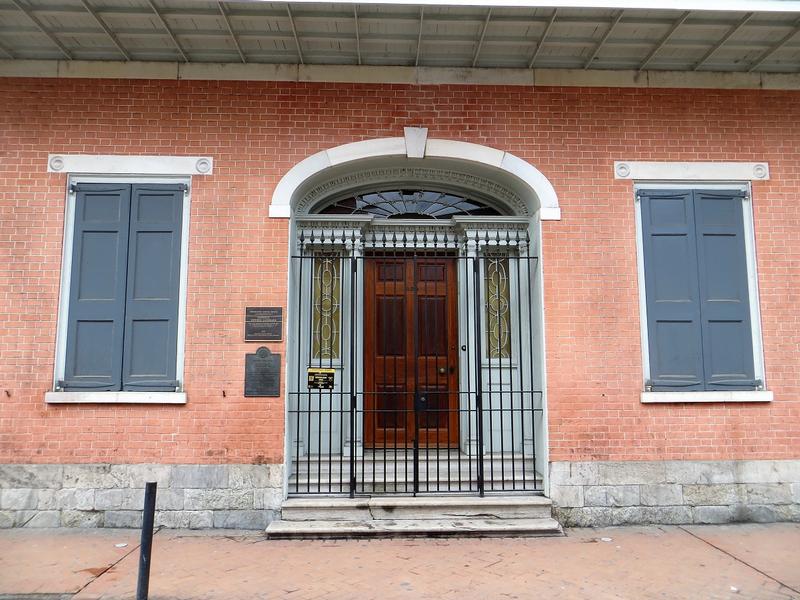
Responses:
[648,397]
[57,396]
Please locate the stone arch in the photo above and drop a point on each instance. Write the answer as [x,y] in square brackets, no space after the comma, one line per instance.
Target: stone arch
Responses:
[503,175]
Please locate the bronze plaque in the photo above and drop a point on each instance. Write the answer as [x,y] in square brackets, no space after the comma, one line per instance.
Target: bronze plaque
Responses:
[263,324]
[321,379]
[262,374]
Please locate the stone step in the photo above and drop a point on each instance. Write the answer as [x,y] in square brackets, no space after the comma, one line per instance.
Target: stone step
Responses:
[473,527]
[416,508]
[399,483]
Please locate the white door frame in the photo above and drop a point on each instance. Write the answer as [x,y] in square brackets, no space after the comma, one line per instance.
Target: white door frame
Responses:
[536,195]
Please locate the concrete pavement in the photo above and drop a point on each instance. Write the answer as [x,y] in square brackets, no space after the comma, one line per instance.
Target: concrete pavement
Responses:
[724,561]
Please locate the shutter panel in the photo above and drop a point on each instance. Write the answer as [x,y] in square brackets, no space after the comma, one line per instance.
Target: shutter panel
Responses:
[151,312]
[673,300]
[725,300]
[97,288]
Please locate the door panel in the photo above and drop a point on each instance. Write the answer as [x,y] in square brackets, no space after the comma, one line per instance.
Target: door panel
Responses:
[387,396]
[411,381]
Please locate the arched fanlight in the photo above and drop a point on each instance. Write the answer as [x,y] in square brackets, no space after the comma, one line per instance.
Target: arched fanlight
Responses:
[409,204]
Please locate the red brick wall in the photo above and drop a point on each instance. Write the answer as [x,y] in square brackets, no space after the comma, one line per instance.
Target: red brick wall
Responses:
[257,131]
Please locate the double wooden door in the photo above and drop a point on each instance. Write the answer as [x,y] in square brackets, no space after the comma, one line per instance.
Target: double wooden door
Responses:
[410,351]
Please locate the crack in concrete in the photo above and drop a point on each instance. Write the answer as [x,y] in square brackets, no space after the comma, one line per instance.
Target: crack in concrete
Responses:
[112,565]
[737,559]
[38,596]
[35,513]
[473,516]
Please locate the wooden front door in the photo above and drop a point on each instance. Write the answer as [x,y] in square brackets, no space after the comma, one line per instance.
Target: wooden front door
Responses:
[410,351]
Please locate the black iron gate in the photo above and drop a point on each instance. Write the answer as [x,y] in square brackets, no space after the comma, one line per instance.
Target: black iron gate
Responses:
[414,354]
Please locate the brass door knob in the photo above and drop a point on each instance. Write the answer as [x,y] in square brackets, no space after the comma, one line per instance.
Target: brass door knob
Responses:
[442,371]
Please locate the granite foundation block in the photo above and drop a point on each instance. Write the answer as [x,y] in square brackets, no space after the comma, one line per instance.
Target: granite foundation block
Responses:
[184,519]
[104,495]
[250,496]
[675,492]
[242,519]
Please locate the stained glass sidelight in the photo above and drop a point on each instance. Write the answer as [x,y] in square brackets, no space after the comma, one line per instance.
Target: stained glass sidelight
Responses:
[498,316]
[326,306]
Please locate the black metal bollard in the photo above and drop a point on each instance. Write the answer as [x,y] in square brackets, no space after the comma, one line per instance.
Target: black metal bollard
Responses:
[146,546]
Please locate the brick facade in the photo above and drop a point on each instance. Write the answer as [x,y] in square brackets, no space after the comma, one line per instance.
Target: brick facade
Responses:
[237,257]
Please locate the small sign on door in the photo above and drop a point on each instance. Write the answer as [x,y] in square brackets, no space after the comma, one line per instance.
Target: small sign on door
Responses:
[321,379]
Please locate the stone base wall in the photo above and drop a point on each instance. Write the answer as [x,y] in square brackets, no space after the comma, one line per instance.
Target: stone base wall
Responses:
[598,494]
[104,495]
[243,496]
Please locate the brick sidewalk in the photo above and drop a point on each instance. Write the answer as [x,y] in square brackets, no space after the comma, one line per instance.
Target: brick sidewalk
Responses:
[734,561]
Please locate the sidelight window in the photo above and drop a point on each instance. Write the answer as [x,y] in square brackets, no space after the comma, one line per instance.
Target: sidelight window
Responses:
[326,306]
[498,310]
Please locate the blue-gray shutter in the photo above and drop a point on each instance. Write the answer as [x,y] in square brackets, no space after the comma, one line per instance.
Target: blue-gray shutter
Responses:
[96,311]
[725,301]
[672,290]
[151,311]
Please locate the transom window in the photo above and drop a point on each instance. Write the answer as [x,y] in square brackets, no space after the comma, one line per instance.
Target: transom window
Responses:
[410,204]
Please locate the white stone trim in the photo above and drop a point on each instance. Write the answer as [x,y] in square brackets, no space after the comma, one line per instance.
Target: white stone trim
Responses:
[295,195]
[66,271]
[115,397]
[717,396]
[462,179]
[113,164]
[529,177]
[416,140]
[752,286]
[72,69]
[367,149]
[484,155]
[691,171]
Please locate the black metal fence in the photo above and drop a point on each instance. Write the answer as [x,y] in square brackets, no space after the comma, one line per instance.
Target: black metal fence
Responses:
[414,355]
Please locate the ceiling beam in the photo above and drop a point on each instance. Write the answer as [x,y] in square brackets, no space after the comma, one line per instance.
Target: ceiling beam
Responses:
[773,49]
[224,12]
[480,40]
[663,41]
[539,45]
[408,17]
[294,33]
[731,32]
[5,51]
[168,30]
[108,31]
[358,32]
[243,11]
[419,34]
[617,18]
[40,26]
[696,45]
